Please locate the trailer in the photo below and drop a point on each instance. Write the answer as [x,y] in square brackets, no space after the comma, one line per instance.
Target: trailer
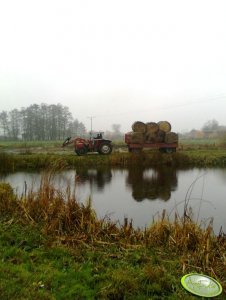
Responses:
[137,147]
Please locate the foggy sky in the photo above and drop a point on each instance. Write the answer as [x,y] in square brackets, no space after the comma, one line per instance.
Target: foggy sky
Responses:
[116,61]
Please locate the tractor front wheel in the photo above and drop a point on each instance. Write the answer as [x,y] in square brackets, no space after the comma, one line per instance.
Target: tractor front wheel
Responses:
[105,148]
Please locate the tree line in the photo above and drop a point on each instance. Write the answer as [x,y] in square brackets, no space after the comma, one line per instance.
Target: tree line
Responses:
[39,122]
[210,129]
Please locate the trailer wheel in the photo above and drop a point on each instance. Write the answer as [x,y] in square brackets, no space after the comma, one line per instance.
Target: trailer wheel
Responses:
[81,151]
[169,150]
[105,148]
[135,150]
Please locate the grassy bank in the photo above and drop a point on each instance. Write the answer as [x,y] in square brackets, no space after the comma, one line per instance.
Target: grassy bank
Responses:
[186,158]
[15,155]
[53,247]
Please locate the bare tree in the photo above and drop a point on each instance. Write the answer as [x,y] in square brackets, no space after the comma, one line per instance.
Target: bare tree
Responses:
[40,122]
[211,125]
[14,124]
[4,123]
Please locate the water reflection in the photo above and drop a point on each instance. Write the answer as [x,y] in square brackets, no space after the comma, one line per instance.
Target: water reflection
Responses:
[152,184]
[95,177]
[130,192]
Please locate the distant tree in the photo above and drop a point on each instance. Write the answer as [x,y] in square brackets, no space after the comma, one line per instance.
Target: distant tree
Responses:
[116,128]
[76,128]
[43,126]
[14,124]
[23,123]
[40,122]
[4,123]
[34,121]
[31,121]
[116,134]
[65,119]
[211,125]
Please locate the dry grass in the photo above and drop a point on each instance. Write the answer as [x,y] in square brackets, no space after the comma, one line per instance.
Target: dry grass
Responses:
[66,221]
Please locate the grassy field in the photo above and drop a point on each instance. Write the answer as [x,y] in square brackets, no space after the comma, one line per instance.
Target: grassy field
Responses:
[55,146]
[12,145]
[52,247]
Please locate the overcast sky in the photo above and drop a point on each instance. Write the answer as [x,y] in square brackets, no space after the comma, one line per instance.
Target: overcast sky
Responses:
[118,61]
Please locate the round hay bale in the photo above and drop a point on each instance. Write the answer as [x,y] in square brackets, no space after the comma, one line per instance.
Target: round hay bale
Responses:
[150,137]
[152,127]
[171,137]
[164,126]
[155,137]
[139,126]
[137,137]
[160,136]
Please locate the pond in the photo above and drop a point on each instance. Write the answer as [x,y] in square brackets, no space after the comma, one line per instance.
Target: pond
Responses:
[142,194]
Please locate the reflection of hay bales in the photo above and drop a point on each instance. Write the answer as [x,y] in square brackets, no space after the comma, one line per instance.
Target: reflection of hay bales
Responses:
[164,195]
[138,195]
[158,185]
[152,194]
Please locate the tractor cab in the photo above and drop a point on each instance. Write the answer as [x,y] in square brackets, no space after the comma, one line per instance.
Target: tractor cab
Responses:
[99,136]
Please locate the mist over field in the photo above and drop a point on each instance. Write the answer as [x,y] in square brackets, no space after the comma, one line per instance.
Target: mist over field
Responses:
[116,62]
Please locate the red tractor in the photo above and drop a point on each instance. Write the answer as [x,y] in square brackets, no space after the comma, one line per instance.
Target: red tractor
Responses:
[96,144]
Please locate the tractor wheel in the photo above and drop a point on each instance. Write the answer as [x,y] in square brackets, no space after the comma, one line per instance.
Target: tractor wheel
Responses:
[162,150]
[81,151]
[167,150]
[170,150]
[105,148]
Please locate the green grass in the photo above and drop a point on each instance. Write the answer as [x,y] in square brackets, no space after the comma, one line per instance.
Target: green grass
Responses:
[53,247]
[183,158]
[203,157]
[205,142]
[32,269]
[56,145]
[29,144]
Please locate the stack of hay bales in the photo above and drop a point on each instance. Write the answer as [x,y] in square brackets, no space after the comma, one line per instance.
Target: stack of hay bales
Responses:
[152,132]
